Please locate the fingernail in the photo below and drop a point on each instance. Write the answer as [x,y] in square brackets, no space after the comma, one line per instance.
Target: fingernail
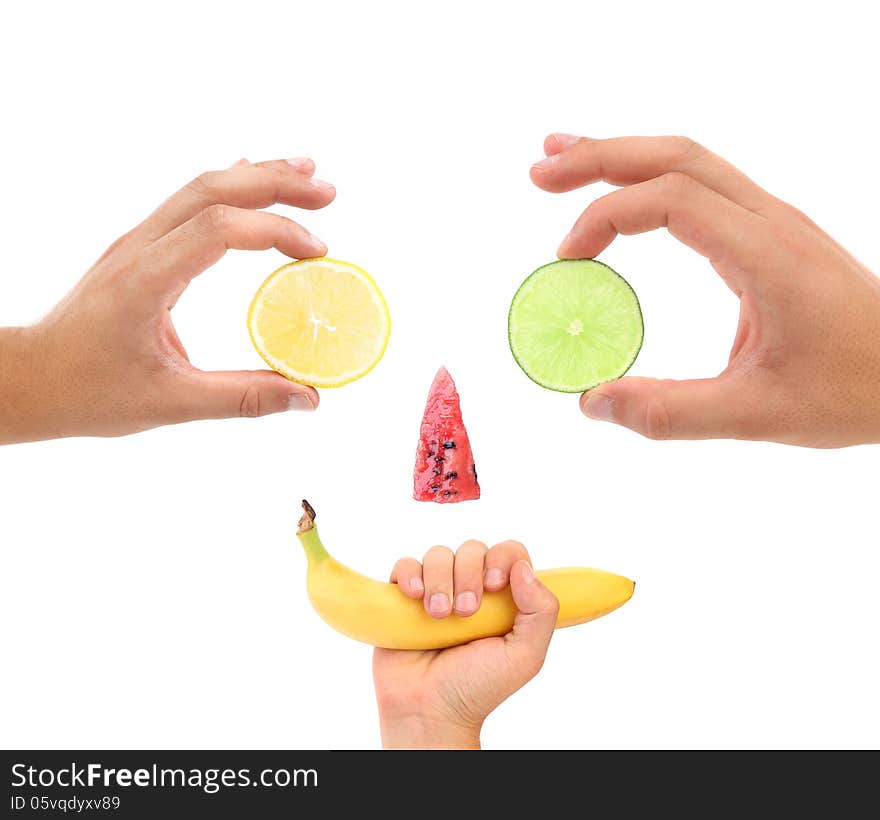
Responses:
[465,602]
[416,585]
[321,246]
[528,574]
[547,162]
[564,244]
[300,163]
[598,406]
[299,401]
[439,603]
[242,161]
[565,140]
[320,183]
[494,577]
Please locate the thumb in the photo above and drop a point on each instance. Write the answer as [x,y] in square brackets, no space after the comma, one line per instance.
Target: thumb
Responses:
[667,409]
[534,624]
[245,393]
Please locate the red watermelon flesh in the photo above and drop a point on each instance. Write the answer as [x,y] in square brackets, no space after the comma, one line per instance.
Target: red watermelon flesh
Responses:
[445,470]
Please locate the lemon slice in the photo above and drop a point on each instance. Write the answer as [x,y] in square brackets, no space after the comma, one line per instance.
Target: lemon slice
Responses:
[320,322]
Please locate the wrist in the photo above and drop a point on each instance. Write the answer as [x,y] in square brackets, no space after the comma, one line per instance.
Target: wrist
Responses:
[415,731]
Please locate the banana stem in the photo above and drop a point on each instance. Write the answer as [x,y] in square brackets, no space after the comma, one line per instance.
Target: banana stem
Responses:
[307,521]
[308,534]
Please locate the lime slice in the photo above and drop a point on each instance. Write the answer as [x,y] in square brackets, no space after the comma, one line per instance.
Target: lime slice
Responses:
[320,322]
[574,324]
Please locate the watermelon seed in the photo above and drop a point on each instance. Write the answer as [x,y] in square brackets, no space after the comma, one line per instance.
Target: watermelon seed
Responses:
[448,445]
[451,475]
[435,488]
[447,493]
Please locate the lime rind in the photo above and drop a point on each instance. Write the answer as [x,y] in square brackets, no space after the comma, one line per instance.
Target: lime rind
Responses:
[574,324]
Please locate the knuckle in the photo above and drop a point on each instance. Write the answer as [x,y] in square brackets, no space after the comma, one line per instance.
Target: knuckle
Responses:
[406,568]
[687,148]
[116,245]
[471,547]
[532,665]
[599,206]
[251,403]
[214,217]
[795,213]
[204,184]
[439,553]
[676,183]
[515,547]
[657,422]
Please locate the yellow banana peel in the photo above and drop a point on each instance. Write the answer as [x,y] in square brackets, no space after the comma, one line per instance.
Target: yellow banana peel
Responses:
[380,614]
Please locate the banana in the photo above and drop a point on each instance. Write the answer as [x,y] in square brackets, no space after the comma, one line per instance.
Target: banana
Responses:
[380,614]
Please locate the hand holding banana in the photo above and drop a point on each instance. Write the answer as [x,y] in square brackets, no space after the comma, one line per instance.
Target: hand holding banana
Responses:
[377,613]
[479,619]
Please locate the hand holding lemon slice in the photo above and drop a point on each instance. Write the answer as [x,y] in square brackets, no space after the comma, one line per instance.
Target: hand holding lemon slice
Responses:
[320,322]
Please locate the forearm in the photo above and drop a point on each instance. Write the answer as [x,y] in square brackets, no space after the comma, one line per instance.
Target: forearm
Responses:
[23,400]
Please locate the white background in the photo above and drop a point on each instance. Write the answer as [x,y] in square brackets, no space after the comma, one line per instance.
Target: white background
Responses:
[152,587]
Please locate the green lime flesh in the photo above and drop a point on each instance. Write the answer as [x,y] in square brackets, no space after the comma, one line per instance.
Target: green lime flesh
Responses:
[574,324]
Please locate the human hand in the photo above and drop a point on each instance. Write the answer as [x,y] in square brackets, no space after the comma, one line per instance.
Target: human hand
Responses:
[439,699]
[805,364]
[107,360]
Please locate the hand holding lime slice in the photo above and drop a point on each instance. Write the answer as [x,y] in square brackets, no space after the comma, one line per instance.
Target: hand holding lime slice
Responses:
[320,322]
[574,324]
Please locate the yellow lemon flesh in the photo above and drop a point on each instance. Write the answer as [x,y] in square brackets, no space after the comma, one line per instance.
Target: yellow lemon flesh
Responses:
[320,322]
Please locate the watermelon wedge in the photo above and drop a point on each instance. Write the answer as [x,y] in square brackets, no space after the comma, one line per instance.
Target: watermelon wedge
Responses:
[445,470]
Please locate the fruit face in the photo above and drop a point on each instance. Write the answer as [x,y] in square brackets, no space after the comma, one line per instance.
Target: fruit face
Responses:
[444,470]
[320,322]
[574,324]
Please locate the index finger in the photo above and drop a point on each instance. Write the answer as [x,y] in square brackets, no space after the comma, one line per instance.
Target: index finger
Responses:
[702,219]
[630,160]
[244,185]
[185,252]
